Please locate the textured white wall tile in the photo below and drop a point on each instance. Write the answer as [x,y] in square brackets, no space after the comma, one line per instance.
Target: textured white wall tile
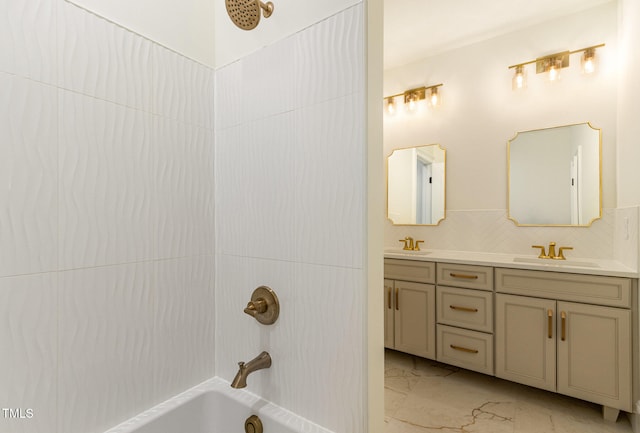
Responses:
[329,182]
[182,175]
[182,89]
[28,38]
[239,337]
[228,96]
[28,173]
[330,58]
[105,189]
[289,192]
[255,169]
[329,347]
[28,353]
[184,324]
[101,59]
[267,78]
[105,346]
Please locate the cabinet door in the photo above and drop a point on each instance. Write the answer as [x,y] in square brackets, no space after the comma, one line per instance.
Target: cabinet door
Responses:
[525,340]
[415,323]
[388,313]
[594,358]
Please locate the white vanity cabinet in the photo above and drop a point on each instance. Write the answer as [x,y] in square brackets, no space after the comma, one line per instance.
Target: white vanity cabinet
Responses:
[409,318]
[464,311]
[567,333]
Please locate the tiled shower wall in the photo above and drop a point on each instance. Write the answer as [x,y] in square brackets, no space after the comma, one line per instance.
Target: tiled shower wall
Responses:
[290,214]
[106,220]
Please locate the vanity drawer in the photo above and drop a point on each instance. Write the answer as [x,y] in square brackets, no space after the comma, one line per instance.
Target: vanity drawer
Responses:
[467,349]
[468,276]
[589,289]
[410,270]
[466,308]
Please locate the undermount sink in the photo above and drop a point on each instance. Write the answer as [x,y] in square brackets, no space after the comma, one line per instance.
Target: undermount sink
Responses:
[559,263]
[406,252]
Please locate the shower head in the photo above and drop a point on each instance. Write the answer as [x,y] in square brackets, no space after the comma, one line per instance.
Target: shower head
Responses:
[246,13]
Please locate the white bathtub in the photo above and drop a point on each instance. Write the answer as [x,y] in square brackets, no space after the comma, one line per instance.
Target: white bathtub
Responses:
[214,407]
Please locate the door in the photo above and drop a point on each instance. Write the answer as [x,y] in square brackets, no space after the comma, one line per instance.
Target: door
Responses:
[415,324]
[525,340]
[594,358]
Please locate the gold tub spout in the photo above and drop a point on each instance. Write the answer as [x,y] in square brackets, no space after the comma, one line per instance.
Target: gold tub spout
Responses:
[245,369]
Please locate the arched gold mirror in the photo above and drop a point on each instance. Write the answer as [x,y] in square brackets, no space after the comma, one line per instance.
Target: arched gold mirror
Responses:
[416,185]
[555,176]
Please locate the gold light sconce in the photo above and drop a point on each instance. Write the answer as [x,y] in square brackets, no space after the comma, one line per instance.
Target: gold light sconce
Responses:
[553,64]
[412,97]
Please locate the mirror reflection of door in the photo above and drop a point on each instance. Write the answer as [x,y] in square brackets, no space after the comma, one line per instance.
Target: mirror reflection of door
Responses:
[423,191]
[416,185]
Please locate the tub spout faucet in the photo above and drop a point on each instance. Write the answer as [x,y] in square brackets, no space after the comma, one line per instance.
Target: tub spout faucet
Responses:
[245,369]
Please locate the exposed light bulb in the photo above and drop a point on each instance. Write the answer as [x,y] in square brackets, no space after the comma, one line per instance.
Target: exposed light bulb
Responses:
[518,78]
[391,106]
[589,61]
[553,73]
[435,99]
[412,103]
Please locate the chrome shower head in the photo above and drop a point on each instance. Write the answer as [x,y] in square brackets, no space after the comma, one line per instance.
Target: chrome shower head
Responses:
[246,13]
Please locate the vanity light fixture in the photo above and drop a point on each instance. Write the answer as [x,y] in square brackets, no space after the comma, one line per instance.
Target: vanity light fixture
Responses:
[552,64]
[412,97]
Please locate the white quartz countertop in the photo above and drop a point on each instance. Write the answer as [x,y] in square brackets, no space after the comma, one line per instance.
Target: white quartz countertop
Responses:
[532,262]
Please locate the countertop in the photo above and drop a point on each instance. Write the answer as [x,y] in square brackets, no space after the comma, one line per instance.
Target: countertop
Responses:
[574,266]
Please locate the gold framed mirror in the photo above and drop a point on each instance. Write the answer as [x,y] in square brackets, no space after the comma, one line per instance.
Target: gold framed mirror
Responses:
[416,185]
[555,176]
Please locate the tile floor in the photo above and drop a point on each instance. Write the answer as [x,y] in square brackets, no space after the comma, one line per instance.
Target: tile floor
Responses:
[424,396]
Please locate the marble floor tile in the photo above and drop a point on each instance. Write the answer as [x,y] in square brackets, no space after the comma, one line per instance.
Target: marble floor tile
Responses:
[424,396]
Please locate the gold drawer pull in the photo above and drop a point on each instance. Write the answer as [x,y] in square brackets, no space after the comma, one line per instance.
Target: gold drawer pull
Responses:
[397,299]
[563,316]
[470,310]
[389,298]
[550,324]
[468,277]
[462,349]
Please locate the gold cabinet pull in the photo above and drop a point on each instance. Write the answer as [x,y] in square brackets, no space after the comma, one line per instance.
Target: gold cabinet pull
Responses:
[389,297]
[468,277]
[462,349]
[550,324]
[467,309]
[397,299]
[563,316]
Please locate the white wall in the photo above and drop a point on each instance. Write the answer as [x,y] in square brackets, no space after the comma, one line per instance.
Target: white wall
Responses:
[480,113]
[185,26]
[106,228]
[291,214]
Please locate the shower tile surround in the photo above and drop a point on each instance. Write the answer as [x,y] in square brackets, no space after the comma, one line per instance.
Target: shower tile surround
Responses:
[297,129]
[107,221]
[107,238]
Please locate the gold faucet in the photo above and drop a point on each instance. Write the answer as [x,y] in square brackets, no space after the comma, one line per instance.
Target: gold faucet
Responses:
[258,363]
[552,252]
[409,244]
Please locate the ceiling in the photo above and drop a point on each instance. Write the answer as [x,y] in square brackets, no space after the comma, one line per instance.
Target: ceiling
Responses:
[415,29]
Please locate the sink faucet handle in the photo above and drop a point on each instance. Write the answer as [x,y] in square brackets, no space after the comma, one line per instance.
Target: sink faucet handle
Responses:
[416,247]
[560,255]
[405,247]
[542,255]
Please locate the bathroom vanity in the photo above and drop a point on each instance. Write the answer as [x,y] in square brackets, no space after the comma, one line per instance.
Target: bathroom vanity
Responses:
[565,328]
